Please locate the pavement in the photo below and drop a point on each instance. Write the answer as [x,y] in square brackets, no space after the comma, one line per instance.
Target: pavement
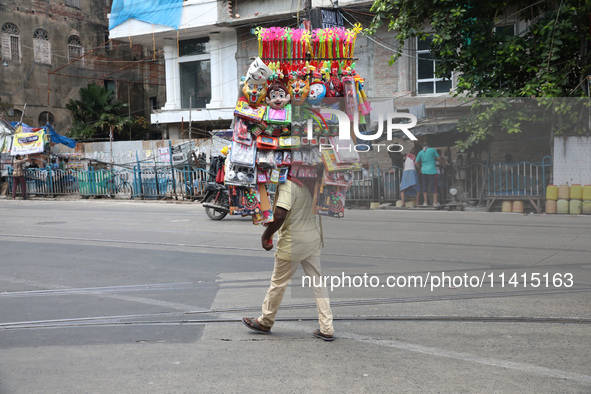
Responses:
[102,296]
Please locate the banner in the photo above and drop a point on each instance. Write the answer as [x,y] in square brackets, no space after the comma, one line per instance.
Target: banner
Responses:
[27,143]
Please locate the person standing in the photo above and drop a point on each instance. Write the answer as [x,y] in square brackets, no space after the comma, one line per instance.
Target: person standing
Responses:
[18,176]
[427,159]
[299,242]
[410,179]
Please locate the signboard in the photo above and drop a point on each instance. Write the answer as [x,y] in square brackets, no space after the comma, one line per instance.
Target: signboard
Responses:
[323,18]
[27,143]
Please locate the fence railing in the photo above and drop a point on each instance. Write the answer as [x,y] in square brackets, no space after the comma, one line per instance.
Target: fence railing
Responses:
[476,182]
[185,183]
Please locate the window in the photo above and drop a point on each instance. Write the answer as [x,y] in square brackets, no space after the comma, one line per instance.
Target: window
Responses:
[41,46]
[195,72]
[75,49]
[153,103]
[505,31]
[11,45]
[73,3]
[17,113]
[110,85]
[427,83]
[45,118]
[197,46]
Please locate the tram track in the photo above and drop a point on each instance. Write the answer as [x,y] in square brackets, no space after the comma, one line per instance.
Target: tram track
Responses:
[160,318]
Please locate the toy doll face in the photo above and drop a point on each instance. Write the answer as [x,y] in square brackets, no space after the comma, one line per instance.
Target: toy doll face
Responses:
[258,72]
[299,89]
[317,93]
[277,96]
[255,94]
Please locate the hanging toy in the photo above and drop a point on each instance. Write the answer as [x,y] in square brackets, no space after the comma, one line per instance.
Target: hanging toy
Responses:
[255,94]
[277,95]
[299,88]
[317,93]
[258,72]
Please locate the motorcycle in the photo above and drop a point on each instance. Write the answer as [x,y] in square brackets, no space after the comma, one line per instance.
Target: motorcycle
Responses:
[216,201]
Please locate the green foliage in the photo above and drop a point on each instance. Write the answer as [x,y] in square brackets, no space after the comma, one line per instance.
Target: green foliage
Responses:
[96,112]
[550,58]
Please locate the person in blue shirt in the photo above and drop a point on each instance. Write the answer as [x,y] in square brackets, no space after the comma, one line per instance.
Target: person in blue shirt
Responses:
[427,158]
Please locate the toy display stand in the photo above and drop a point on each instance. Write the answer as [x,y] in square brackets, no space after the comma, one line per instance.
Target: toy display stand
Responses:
[297,74]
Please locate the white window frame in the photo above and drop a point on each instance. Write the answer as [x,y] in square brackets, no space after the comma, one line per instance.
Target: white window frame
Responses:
[10,39]
[78,47]
[41,47]
[433,80]
[193,58]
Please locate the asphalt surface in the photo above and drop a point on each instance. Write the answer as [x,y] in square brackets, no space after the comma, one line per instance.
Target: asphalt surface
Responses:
[102,296]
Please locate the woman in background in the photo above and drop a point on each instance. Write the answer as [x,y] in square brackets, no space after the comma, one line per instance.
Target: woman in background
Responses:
[410,179]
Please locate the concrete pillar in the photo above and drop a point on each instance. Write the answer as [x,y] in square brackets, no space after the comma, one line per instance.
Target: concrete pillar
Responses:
[215,51]
[173,80]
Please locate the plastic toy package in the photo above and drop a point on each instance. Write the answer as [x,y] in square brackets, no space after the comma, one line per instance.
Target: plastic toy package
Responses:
[298,74]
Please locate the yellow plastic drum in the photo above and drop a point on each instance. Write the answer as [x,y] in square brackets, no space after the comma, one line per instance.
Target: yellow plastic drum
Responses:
[575,207]
[507,206]
[562,207]
[550,206]
[587,192]
[586,207]
[518,206]
[564,192]
[576,192]
[552,192]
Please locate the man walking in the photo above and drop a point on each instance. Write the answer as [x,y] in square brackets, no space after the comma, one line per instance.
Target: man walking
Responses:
[18,176]
[299,243]
[427,158]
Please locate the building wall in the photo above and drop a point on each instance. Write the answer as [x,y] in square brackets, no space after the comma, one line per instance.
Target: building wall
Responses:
[572,160]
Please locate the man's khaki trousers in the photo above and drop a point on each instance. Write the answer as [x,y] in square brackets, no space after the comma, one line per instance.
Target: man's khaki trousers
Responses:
[282,273]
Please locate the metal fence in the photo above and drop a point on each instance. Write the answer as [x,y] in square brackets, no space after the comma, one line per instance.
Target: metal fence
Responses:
[140,183]
[477,182]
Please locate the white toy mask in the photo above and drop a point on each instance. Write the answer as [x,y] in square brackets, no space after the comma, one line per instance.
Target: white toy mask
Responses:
[258,72]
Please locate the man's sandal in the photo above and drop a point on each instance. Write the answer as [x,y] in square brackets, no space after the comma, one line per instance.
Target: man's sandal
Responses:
[322,336]
[254,325]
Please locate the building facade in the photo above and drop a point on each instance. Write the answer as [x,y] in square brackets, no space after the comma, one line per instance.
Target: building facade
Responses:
[52,49]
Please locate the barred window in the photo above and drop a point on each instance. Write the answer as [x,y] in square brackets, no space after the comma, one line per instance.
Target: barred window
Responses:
[45,118]
[75,49]
[41,46]
[73,3]
[11,45]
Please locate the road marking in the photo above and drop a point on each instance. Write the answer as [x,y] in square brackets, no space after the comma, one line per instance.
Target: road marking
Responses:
[554,373]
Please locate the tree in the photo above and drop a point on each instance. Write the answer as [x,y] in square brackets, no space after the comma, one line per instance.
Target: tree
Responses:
[96,113]
[550,58]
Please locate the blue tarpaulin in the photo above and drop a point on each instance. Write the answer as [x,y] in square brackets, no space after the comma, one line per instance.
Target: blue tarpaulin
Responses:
[60,139]
[53,135]
[158,12]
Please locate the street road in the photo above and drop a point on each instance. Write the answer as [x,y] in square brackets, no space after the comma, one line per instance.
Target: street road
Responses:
[103,296]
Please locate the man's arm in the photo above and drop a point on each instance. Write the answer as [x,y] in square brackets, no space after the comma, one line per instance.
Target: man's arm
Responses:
[278,218]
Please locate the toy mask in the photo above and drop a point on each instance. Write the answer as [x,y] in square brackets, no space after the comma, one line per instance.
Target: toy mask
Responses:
[299,89]
[317,93]
[277,96]
[258,72]
[255,94]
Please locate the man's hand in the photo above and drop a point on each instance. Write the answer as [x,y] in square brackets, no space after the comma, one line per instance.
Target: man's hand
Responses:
[267,243]
[272,227]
